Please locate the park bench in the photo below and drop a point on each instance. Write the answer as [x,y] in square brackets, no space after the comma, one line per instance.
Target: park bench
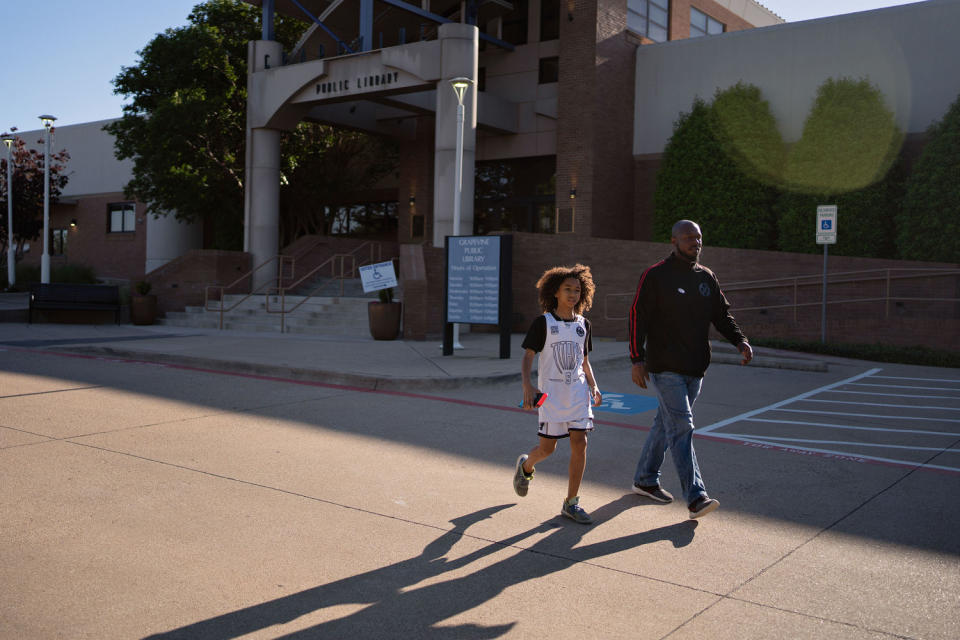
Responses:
[83,297]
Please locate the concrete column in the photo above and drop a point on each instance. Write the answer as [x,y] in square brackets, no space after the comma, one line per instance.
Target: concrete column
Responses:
[459,46]
[262,187]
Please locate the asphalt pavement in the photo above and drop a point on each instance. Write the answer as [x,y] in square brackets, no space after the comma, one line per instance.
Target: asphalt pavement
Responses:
[174,483]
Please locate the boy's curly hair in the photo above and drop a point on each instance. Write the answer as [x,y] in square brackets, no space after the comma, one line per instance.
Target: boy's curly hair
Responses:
[550,282]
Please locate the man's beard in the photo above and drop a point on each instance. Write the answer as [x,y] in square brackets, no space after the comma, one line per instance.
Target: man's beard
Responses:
[692,258]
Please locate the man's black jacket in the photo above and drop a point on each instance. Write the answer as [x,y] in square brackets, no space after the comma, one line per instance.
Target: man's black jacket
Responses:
[675,304]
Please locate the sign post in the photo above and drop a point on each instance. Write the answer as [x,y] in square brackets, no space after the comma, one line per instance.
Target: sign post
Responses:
[479,286]
[826,235]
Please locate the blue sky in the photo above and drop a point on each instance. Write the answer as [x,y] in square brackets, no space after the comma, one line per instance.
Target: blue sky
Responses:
[60,56]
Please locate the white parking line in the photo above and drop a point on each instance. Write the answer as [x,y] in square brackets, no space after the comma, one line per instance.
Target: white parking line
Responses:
[953,380]
[888,395]
[900,386]
[868,415]
[852,427]
[882,404]
[775,440]
[802,396]
[803,445]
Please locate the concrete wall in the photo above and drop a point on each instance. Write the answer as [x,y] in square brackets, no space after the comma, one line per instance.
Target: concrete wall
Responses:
[910,52]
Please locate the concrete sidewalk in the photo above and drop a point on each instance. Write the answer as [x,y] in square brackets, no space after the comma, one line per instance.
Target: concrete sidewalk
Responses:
[395,364]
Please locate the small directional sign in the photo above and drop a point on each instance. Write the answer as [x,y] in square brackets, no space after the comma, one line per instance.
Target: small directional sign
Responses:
[827,224]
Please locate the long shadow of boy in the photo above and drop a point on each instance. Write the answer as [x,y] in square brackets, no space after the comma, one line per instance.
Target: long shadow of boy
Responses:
[414,613]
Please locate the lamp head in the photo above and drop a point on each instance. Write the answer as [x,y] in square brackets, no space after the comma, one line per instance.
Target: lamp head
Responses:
[47,121]
[7,140]
[460,85]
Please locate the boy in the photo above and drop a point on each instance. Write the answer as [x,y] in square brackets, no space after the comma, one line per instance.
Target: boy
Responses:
[562,337]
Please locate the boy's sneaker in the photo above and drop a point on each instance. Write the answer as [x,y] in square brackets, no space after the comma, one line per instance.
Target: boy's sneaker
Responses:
[654,492]
[521,480]
[702,506]
[573,510]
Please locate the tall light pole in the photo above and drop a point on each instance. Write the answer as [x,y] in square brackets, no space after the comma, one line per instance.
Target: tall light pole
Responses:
[460,86]
[11,252]
[45,258]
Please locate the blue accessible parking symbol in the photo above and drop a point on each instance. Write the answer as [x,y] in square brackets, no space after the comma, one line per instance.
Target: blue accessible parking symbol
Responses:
[826,224]
[626,403]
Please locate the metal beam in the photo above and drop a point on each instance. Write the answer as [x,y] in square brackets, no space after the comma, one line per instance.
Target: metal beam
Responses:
[267,20]
[406,6]
[323,26]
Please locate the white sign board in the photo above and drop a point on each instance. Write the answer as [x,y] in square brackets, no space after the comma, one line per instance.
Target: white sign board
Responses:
[378,276]
[827,224]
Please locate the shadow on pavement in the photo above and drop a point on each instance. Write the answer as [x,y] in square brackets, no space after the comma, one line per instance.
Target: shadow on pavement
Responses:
[415,613]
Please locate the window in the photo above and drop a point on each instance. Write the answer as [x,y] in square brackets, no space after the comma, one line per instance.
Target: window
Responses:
[366,219]
[122,217]
[549,20]
[515,23]
[58,242]
[518,194]
[549,70]
[703,25]
[649,18]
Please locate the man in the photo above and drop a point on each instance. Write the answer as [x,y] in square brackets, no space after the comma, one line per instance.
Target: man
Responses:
[677,300]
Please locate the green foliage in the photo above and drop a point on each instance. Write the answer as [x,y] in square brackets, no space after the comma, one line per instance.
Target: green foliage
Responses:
[718,170]
[847,156]
[850,140]
[385,295]
[143,287]
[184,126]
[28,180]
[929,222]
[877,352]
[65,273]
[865,218]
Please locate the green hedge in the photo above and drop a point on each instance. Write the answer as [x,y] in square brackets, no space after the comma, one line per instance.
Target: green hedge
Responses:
[929,221]
[719,169]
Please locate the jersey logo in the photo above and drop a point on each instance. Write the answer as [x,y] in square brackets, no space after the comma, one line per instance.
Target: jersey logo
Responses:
[704,289]
[580,331]
[554,329]
[680,289]
[566,355]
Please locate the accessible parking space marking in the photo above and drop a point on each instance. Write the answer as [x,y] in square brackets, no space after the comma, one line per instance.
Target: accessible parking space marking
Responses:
[867,424]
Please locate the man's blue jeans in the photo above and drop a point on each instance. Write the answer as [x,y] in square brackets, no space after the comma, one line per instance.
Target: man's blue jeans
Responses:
[673,429]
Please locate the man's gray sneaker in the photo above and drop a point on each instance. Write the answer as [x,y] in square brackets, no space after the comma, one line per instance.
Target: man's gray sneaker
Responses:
[521,480]
[654,492]
[702,506]
[571,509]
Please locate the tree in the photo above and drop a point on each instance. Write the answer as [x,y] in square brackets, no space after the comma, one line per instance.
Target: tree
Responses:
[720,169]
[28,166]
[929,221]
[184,127]
[848,156]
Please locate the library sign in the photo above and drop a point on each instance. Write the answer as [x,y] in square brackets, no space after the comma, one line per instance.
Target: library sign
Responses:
[346,78]
[479,285]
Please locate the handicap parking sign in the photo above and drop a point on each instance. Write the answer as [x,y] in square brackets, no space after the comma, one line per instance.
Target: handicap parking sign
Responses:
[826,225]
[626,403]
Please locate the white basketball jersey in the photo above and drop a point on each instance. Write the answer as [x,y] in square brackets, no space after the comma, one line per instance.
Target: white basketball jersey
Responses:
[560,371]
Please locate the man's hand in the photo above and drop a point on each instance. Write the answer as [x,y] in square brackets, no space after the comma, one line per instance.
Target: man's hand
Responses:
[640,375]
[596,396]
[747,351]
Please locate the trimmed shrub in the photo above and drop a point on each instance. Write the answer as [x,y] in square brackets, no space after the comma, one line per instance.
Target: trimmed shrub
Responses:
[847,156]
[719,172]
[929,221]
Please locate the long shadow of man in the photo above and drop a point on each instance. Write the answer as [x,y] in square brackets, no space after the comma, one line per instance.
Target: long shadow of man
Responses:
[414,613]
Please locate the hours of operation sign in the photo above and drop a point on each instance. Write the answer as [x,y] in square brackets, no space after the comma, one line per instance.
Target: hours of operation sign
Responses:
[473,280]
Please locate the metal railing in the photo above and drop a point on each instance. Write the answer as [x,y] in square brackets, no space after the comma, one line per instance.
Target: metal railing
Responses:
[223,288]
[796,283]
[336,275]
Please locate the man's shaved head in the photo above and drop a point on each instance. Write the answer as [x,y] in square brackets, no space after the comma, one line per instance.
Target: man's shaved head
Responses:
[682,226]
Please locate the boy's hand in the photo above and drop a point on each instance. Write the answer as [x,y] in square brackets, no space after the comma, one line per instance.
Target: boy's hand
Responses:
[597,397]
[529,396]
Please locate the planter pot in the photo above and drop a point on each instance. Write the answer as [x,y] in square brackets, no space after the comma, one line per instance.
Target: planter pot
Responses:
[143,309]
[384,320]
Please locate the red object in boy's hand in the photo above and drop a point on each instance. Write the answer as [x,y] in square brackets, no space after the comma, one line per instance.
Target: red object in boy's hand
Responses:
[538,400]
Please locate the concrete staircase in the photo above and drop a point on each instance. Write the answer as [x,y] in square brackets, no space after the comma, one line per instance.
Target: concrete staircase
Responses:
[338,316]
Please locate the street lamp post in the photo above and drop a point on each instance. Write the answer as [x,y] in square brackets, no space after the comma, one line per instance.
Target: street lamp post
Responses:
[11,252]
[45,258]
[460,86]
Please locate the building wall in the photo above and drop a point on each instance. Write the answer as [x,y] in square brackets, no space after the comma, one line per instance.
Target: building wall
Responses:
[97,179]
